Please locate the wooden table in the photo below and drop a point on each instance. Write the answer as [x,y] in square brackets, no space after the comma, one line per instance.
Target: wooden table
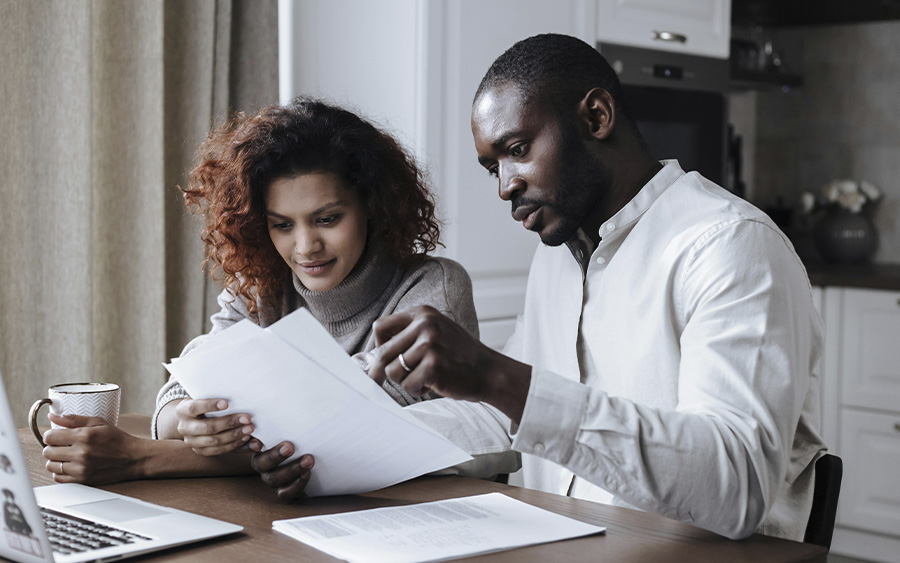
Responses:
[631,535]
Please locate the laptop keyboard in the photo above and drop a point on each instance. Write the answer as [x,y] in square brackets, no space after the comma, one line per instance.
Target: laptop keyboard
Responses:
[69,534]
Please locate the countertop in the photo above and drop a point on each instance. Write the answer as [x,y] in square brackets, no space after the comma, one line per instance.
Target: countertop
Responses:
[866,276]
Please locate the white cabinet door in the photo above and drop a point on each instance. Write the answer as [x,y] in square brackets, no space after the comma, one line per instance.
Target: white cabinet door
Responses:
[870,449]
[699,27]
[870,363]
[830,364]
[481,233]
[464,38]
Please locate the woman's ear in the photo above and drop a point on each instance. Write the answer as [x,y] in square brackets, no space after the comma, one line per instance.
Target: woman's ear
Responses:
[598,110]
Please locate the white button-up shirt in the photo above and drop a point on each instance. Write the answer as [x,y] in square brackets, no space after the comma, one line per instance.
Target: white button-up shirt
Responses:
[673,368]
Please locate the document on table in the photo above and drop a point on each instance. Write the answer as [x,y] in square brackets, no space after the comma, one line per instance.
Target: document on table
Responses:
[434,531]
[298,384]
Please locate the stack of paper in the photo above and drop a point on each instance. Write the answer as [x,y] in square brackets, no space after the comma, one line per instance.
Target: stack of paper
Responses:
[433,531]
[298,385]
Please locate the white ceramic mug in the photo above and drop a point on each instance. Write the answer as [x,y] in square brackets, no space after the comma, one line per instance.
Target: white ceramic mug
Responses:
[84,399]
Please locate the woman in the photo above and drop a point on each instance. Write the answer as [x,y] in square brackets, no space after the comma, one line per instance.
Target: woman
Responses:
[306,205]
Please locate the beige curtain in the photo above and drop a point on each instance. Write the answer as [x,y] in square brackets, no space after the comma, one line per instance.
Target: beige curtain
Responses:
[106,102]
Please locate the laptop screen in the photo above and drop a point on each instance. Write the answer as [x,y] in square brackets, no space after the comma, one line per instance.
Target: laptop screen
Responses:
[23,537]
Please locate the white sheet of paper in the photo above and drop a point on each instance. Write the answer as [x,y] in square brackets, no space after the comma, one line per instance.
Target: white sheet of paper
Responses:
[434,531]
[320,347]
[359,444]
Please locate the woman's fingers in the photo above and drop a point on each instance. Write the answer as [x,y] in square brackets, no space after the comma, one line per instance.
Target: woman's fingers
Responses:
[213,435]
[74,420]
[295,489]
[264,462]
[201,431]
[71,472]
[228,436]
[195,408]
[218,444]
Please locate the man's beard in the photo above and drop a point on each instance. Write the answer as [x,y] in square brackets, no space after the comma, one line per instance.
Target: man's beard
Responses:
[583,182]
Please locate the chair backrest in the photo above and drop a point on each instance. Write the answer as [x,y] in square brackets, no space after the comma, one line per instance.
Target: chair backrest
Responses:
[819,529]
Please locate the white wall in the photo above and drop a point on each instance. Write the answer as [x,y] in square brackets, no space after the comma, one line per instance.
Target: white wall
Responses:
[358,53]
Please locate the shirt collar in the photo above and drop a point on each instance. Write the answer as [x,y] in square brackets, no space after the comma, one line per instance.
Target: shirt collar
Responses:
[620,223]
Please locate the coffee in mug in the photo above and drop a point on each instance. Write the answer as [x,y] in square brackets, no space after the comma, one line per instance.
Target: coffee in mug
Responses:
[84,399]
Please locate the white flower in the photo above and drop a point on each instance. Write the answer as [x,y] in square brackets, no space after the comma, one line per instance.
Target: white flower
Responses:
[853,201]
[846,186]
[807,202]
[831,192]
[870,190]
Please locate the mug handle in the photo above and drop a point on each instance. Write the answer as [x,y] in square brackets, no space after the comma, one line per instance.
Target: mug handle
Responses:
[32,416]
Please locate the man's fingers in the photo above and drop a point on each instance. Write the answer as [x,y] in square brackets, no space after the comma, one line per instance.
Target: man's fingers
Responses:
[388,327]
[386,361]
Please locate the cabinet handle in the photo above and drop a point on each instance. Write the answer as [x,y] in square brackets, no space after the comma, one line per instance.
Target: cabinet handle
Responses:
[669,36]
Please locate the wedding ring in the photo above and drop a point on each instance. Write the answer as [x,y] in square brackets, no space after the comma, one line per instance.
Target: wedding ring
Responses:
[403,363]
[61,470]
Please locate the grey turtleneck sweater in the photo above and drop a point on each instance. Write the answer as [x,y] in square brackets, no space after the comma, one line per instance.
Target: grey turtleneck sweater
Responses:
[375,288]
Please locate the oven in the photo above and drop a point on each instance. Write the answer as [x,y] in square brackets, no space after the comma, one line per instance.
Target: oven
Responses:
[680,105]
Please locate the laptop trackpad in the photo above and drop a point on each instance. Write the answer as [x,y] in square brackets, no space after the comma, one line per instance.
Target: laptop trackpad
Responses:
[118,510]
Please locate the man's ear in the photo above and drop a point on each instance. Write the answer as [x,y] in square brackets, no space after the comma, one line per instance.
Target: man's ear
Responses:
[598,110]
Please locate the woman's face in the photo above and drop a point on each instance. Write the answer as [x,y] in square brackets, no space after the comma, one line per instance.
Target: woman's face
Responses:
[318,227]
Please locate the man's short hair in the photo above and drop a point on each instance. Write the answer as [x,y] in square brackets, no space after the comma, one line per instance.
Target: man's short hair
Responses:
[554,70]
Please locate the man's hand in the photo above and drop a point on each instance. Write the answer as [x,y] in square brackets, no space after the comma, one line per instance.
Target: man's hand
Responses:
[88,450]
[289,480]
[441,356]
[213,435]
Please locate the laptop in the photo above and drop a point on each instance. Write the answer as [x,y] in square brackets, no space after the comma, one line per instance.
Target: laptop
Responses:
[73,523]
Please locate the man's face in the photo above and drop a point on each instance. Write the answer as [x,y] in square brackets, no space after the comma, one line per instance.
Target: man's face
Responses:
[542,163]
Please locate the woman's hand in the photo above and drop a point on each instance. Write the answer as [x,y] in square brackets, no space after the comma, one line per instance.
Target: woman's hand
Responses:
[289,480]
[214,435]
[89,450]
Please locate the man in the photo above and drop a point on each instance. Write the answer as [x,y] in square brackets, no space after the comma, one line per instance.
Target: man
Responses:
[665,357]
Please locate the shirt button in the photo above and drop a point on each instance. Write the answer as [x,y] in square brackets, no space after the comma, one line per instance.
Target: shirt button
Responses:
[601,260]
[539,448]
[610,227]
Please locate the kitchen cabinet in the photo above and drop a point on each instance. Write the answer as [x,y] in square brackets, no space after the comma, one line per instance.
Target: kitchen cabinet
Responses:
[697,27]
[861,416]
[413,66]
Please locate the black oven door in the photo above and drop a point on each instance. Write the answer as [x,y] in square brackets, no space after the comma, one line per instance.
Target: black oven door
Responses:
[690,126]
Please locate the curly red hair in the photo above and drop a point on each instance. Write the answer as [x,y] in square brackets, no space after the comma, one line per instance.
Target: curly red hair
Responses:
[239,160]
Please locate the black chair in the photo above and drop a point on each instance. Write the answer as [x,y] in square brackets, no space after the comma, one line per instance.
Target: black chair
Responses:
[819,529]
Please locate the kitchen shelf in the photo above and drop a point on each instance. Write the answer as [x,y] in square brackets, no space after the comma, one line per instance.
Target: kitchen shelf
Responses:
[864,276]
[751,80]
[796,13]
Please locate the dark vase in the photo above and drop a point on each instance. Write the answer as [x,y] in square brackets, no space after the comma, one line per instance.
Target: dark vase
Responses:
[844,237]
